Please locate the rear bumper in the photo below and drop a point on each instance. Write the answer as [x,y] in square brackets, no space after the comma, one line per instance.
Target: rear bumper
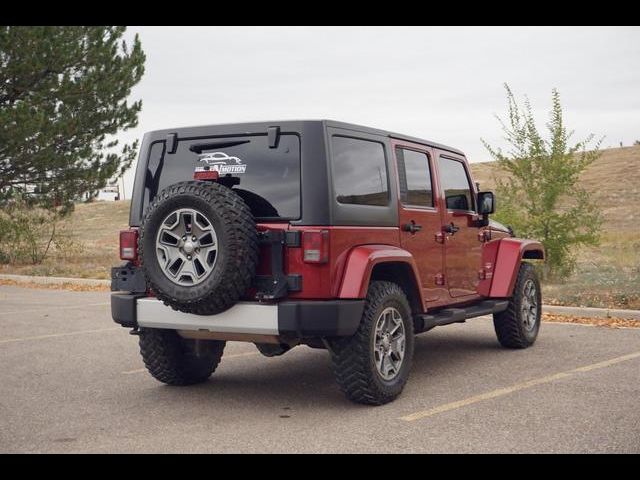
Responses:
[299,319]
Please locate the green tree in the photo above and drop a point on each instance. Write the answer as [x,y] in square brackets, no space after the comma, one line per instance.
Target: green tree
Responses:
[63,98]
[541,196]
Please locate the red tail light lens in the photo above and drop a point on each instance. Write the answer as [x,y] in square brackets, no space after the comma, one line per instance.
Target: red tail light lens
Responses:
[129,244]
[206,175]
[315,246]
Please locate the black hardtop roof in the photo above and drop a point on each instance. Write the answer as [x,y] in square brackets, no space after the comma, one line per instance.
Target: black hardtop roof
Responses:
[386,133]
[251,127]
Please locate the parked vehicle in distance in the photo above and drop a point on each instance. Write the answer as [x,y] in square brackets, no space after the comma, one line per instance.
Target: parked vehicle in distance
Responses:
[316,233]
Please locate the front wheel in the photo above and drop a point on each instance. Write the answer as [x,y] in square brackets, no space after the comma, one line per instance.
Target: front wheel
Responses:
[373,365]
[519,324]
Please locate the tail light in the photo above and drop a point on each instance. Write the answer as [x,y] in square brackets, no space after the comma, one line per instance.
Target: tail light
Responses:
[129,244]
[206,174]
[315,246]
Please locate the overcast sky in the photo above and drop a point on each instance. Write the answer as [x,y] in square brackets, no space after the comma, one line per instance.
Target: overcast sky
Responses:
[439,83]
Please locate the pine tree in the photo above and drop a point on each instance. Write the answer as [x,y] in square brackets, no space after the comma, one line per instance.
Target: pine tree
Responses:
[541,196]
[63,97]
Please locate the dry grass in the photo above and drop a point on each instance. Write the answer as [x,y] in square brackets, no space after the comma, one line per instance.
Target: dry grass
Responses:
[613,180]
[607,275]
[94,227]
[74,287]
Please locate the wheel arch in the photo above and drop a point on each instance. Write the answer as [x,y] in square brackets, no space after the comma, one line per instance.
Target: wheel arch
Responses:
[401,274]
[367,263]
[501,261]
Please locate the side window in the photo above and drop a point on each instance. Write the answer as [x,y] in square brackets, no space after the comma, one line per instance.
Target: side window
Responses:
[415,178]
[359,172]
[455,184]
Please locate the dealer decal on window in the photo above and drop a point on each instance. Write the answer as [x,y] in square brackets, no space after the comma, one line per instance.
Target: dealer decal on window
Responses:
[221,162]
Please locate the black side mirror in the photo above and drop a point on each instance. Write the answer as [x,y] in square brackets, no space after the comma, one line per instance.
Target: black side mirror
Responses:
[486,203]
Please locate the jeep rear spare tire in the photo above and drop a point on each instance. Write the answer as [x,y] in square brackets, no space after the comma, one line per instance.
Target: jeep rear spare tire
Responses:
[199,247]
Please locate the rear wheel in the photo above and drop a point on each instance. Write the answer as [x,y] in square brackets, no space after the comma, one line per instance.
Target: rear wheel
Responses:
[373,365]
[174,360]
[519,324]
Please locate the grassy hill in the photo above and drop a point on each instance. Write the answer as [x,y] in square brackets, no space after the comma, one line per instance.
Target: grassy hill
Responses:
[613,180]
[607,275]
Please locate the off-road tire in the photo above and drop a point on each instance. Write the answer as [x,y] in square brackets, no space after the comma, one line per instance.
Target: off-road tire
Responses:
[353,358]
[237,255]
[173,360]
[509,324]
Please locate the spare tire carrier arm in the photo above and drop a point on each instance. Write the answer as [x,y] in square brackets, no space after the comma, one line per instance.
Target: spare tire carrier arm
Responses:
[278,284]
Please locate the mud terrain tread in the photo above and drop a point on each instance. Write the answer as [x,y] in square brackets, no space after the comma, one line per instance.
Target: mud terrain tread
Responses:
[350,355]
[241,250]
[168,360]
[507,324]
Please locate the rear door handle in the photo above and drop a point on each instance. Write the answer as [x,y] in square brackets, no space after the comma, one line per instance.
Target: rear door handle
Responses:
[411,227]
[451,228]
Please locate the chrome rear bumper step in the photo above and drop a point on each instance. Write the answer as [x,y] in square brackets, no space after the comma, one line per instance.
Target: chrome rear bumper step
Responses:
[250,318]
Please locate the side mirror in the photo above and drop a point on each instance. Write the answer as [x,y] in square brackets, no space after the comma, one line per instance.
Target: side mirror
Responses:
[486,203]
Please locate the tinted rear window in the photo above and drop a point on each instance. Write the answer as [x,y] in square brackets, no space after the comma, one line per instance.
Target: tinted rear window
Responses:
[359,172]
[269,178]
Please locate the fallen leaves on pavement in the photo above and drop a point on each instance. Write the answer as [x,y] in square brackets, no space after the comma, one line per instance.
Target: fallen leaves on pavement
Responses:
[74,287]
[600,322]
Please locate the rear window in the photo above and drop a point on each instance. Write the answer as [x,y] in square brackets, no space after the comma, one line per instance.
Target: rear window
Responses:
[359,172]
[268,179]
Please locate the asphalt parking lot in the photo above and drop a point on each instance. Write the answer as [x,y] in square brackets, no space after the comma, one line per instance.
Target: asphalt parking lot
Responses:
[72,381]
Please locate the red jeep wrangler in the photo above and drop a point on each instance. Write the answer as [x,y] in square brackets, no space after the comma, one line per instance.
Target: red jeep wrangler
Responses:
[315,233]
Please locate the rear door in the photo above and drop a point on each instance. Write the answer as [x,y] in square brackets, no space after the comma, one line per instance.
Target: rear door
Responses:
[420,218]
[463,248]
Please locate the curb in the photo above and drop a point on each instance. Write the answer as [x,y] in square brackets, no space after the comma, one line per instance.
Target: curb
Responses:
[590,312]
[55,280]
[586,312]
